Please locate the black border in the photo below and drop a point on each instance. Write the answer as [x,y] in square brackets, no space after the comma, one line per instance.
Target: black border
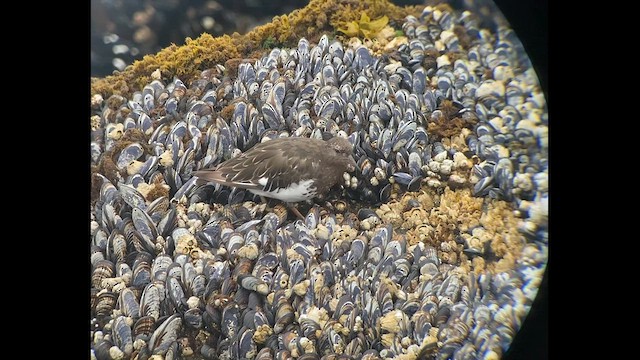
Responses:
[529,19]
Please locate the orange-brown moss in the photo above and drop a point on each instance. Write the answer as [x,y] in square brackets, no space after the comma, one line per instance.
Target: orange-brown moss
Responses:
[183,61]
[487,74]
[464,40]
[456,55]
[448,125]
[108,168]
[187,61]
[231,65]
[430,56]
[444,128]
[227,112]
[115,102]
[156,190]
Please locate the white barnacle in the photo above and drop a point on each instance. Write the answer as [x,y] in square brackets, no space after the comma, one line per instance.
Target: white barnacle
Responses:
[193,302]
[522,181]
[440,156]
[434,182]
[117,288]
[539,211]
[139,344]
[98,336]
[115,132]
[94,227]
[354,183]
[443,61]
[446,166]
[116,353]
[134,167]
[460,161]
[434,166]
[96,100]
[166,158]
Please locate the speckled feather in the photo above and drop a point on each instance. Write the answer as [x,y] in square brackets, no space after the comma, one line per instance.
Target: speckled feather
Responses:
[277,164]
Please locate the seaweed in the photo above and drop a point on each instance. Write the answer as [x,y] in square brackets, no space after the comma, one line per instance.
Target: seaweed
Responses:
[365,26]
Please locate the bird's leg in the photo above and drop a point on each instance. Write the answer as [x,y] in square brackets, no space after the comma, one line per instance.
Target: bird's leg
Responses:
[290,206]
[295,210]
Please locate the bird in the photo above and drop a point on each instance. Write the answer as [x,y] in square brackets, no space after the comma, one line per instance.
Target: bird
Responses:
[289,169]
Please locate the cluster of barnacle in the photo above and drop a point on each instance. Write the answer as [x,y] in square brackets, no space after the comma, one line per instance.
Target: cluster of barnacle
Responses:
[423,257]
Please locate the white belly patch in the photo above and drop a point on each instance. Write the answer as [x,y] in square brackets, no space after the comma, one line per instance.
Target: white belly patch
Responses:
[294,193]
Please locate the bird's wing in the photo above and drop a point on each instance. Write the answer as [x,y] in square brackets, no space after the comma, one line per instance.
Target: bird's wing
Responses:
[261,167]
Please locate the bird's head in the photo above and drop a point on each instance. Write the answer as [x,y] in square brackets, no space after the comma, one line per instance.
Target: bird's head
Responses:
[343,148]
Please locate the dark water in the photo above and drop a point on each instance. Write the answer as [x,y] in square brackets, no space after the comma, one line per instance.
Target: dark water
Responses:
[125,30]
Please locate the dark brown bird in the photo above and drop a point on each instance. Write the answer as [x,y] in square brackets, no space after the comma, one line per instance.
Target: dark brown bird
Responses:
[290,169]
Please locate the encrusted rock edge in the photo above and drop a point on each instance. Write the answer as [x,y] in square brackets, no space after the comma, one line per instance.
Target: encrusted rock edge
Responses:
[188,60]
